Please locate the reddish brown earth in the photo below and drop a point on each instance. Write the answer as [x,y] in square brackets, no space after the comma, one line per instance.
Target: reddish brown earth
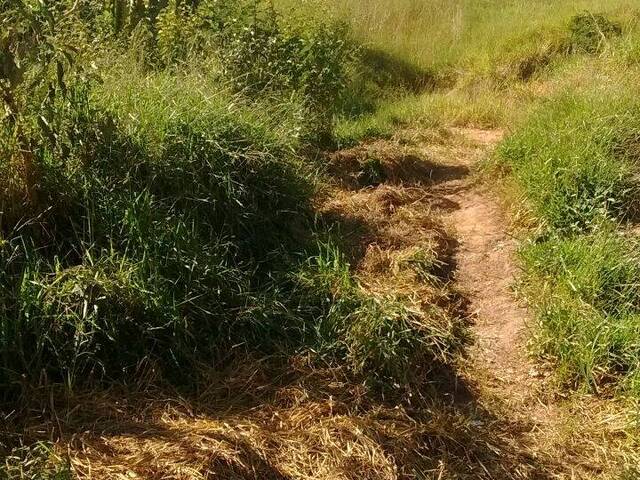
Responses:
[486,270]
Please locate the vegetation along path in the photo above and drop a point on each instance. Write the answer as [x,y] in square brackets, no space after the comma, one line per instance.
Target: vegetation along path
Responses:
[539,426]
[488,416]
[319,240]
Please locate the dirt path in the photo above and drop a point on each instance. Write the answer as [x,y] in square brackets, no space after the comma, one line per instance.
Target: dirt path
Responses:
[552,436]
[486,271]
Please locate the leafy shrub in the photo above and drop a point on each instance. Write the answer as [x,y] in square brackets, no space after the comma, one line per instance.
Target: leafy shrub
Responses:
[177,33]
[590,32]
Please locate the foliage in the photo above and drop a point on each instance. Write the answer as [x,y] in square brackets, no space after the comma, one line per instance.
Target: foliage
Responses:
[574,162]
[590,304]
[590,32]
[168,214]
[378,336]
[576,178]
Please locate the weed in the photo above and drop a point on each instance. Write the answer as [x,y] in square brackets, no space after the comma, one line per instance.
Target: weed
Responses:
[372,172]
[589,306]
[590,32]
[378,336]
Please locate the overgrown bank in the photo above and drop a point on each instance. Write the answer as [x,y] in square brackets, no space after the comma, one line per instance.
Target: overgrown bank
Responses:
[160,176]
[576,162]
[170,223]
[157,200]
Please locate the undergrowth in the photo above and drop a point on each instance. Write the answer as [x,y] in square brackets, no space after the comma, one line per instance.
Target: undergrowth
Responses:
[159,173]
[157,202]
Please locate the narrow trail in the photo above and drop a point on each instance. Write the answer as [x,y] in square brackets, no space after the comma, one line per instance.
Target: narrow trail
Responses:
[524,428]
[492,416]
[486,271]
[549,434]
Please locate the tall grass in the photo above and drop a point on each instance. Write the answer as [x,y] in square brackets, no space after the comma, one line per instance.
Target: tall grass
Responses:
[435,34]
[166,217]
[162,221]
[588,301]
[574,159]
[562,76]
[474,62]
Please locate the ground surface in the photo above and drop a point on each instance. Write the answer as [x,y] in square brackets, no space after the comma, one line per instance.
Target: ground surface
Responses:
[493,416]
[486,272]
[554,435]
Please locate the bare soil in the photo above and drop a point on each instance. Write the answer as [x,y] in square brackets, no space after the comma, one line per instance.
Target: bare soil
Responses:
[486,272]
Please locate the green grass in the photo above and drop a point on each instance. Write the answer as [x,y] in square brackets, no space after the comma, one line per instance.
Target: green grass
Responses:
[586,292]
[477,65]
[157,206]
[574,159]
[168,214]
[157,185]
[561,78]
[376,333]
[161,220]
[437,34]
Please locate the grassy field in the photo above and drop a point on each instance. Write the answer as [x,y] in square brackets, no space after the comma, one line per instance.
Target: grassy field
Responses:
[462,62]
[435,35]
[168,208]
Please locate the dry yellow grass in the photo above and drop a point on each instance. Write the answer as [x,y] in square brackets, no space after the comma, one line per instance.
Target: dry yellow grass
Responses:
[319,424]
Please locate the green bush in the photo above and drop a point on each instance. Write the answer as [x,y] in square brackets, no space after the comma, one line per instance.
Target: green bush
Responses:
[171,211]
[167,216]
[310,59]
[589,32]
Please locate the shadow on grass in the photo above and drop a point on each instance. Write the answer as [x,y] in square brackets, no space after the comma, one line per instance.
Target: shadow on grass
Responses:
[390,71]
[265,422]
[288,417]
[362,167]
[380,75]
